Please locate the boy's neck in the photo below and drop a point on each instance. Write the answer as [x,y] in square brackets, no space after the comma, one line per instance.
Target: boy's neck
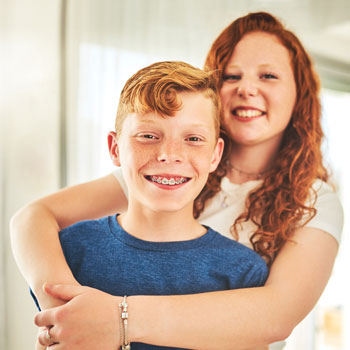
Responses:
[161,226]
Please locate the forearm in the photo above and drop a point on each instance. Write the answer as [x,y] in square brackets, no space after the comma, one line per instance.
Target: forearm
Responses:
[244,318]
[237,319]
[37,250]
[34,230]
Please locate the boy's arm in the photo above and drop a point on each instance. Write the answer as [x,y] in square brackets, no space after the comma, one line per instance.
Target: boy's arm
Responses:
[34,230]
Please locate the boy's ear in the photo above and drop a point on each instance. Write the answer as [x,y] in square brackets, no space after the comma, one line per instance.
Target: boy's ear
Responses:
[217,154]
[113,148]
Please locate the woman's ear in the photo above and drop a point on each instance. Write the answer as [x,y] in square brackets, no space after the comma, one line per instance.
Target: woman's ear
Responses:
[113,148]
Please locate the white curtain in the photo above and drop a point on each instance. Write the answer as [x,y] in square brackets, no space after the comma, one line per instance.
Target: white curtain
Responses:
[2,246]
[29,142]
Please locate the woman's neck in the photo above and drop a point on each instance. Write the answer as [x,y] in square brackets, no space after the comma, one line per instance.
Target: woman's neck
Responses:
[248,163]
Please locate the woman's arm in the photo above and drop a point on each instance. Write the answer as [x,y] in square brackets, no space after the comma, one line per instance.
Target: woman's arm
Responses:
[235,319]
[34,230]
[247,317]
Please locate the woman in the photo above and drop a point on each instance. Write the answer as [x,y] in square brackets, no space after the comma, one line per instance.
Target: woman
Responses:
[270,193]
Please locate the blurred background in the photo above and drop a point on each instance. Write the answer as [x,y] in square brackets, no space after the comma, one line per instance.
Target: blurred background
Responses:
[63,64]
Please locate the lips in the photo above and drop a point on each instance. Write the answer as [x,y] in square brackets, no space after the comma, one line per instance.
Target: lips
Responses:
[169,180]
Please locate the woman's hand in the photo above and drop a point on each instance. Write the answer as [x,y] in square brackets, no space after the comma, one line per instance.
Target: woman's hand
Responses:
[38,346]
[89,320]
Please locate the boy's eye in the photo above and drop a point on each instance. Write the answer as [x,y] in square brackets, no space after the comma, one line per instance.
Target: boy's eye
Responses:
[231,77]
[147,136]
[194,139]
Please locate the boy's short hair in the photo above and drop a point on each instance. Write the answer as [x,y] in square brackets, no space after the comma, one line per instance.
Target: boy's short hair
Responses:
[155,89]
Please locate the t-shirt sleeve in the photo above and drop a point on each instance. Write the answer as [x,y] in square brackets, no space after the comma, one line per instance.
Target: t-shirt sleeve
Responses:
[257,275]
[36,302]
[329,216]
[119,176]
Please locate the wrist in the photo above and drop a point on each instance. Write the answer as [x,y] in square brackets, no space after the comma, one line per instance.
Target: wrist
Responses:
[124,317]
[137,318]
[148,321]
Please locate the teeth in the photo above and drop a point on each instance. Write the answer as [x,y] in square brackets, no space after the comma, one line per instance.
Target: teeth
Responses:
[165,181]
[248,113]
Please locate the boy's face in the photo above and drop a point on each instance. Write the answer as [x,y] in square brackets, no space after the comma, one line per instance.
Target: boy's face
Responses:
[166,161]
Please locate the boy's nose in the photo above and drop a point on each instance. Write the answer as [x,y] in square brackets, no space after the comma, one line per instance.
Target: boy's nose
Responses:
[170,153]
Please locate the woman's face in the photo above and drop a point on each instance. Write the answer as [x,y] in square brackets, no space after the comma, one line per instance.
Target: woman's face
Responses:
[258,92]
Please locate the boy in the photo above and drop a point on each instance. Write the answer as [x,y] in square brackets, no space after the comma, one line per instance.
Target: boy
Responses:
[166,142]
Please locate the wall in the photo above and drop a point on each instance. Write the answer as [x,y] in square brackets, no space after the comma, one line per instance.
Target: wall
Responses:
[30,39]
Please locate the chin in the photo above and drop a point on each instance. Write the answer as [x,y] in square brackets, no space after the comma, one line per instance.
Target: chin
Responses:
[246,141]
[169,207]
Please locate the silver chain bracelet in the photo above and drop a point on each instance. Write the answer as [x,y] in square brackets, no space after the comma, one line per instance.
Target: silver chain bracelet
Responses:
[123,307]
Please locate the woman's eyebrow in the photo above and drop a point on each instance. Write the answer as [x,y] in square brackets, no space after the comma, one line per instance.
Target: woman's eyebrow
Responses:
[232,66]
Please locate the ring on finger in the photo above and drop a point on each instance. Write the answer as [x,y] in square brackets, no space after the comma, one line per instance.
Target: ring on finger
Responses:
[48,335]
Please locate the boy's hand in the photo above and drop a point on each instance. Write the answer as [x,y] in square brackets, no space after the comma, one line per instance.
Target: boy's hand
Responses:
[89,320]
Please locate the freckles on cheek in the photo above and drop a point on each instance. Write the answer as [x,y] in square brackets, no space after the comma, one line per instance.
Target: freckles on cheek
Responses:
[141,153]
[138,156]
[203,165]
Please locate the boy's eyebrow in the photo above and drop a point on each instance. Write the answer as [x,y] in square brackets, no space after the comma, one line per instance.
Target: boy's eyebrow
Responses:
[154,122]
[146,120]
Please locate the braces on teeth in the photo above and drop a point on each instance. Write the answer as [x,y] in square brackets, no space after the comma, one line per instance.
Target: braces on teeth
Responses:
[170,182]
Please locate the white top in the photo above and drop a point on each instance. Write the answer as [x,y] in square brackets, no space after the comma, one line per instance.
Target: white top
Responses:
[221,211]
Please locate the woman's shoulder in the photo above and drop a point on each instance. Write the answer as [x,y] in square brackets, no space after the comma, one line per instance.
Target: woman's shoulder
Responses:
[322,187]
[324,195]
[329,210]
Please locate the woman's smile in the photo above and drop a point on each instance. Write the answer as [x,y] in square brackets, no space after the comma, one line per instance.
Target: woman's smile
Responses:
[247,113]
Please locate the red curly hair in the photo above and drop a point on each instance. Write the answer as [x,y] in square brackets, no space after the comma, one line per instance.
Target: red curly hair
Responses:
[278,205]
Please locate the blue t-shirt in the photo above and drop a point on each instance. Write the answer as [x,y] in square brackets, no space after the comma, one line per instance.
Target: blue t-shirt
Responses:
[103,256]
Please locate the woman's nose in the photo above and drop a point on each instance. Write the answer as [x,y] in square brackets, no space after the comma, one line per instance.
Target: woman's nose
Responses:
[246,89]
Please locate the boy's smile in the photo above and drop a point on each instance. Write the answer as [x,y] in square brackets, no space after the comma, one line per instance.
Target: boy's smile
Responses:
[167,180]
[166,160]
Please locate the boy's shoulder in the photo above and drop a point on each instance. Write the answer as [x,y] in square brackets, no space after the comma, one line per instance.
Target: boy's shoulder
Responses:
[231,246]
[87,223]
[221,240]
[92,227]
[239,260]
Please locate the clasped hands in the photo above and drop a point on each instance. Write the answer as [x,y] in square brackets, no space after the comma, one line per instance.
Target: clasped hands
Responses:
[88,320]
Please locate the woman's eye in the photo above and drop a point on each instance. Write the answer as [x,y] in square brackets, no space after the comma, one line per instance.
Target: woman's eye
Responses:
[268,76]
[231,77]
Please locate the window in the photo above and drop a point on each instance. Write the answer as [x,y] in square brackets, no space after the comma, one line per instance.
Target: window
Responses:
[333,312]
